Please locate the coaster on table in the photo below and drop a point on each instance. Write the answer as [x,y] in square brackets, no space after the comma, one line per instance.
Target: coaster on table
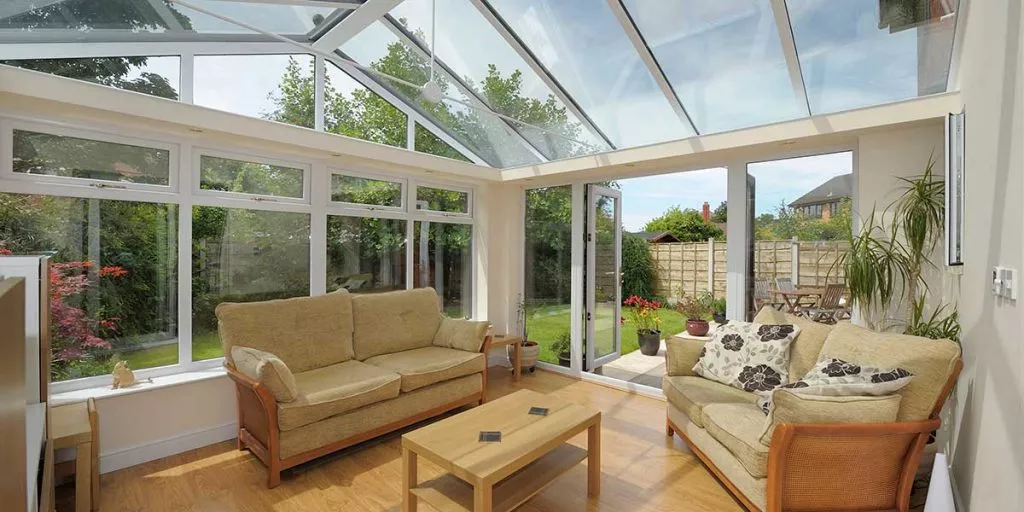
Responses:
[539,411]
[490,437]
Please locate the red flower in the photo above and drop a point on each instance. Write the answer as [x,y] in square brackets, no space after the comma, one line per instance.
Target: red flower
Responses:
[113,272]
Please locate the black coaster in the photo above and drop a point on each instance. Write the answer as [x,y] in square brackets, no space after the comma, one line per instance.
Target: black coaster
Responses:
[539,411]
[490,437]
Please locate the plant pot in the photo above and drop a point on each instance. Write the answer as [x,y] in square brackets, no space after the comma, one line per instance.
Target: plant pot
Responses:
[697,327]
[528,353]
[719,318]
[565,359]
[650,342]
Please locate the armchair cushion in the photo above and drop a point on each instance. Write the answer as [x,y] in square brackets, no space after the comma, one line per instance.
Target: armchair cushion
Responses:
[267,369]
[804,351]
[737,427]
[681,354]
[422,367]
[790,407]
[691,394]
[748,356]
[331,390]
[461,334]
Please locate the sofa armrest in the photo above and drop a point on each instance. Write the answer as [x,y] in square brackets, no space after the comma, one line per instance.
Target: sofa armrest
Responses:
[864,466]
[257,411]
[681,354]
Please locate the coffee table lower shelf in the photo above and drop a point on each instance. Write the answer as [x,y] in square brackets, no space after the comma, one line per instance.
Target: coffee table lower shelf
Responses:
[450,494]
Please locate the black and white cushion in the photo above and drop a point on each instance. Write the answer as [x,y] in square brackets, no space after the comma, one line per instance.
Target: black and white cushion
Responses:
[748,356]
[831,376]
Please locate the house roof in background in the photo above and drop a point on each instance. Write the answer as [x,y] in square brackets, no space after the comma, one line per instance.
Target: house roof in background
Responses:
[836,188]
[657,237]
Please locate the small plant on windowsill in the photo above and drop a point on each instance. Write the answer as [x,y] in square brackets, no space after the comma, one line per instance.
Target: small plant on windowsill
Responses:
[696,310]
[643,314]
[529,350]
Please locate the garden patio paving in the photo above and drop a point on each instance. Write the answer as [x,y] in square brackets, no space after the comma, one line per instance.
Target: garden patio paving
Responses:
[637,368]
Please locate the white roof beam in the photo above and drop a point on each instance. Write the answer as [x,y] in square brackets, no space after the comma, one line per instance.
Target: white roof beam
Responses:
[531,60]
[796,76]
[303,3]
[354,23]
[647,57]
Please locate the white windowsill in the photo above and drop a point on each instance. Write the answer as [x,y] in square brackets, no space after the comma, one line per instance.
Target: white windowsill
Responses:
[101,392]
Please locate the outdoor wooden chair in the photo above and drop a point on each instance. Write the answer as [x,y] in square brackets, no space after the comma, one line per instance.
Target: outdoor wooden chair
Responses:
[785,284]
[827,310]
[763,294]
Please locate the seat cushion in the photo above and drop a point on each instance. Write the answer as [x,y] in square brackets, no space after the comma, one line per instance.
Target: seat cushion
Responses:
[385,323]
[425,366]
[806,347]
[691,394]
[790,407]
[738,427]
[335,389]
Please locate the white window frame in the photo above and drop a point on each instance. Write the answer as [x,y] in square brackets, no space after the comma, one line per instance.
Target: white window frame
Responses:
[9,124]
[199,152]
[454,217]
[358,209]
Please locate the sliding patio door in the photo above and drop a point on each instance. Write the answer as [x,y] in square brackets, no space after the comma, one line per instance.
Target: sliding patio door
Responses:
[604,276]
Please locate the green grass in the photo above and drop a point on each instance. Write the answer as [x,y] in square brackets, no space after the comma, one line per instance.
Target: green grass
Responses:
[204,346]
[546,323]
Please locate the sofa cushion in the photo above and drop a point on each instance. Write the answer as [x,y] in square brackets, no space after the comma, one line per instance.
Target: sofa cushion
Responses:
[335,389]
[738,427]
[691,394]
[304,332]
[806,347]
[267,369]
[831,376]
[790,407]
[748,356]
[394,321]
[461,334]
[931,361]
[425,366]
[681,354]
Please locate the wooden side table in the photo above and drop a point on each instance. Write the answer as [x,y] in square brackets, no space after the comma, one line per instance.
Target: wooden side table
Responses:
[77,426]
[501,340]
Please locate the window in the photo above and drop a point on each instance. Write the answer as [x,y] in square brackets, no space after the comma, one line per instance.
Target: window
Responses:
[355,111]
[72,157]
[442,200]
[427,142]
[548,267]
[243,255]
[441,256]
[274,87]
[365,255]
[366,191]
[229,175]
[113,278]
[156,76]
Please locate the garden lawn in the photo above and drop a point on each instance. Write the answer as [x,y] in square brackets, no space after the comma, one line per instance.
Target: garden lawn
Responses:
[546,323]
[204,346]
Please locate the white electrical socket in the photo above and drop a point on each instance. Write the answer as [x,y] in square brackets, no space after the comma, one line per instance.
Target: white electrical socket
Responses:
[1004,282]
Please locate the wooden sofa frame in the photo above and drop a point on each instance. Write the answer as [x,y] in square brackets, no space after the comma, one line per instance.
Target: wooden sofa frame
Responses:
[259,431]
[839,466]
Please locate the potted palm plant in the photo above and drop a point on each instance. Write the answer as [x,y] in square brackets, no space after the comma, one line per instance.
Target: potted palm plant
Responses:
[696,311]
[643,314]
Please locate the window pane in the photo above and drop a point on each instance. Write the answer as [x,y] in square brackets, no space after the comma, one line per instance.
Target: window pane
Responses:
[856,53]
[72,157]
[427,142]
[244,177]
[355,111]
[442,200]
[243,256]
[724,60]
[113,278]
[275,87]
[441,259]
[281,19]
[548,268]
[353,189]
[365,255]
[156,76]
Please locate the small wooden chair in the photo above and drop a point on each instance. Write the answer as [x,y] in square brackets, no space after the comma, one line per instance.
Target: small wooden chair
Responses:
[785,284]
[828,309]
[77,426]
[763,294]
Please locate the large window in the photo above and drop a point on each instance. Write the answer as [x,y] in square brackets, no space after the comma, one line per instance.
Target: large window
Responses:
[441,255]
[274,87]
[364,254]
[548,268]
[113,278]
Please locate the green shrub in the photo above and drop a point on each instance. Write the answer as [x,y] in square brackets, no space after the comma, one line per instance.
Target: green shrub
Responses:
[637,268]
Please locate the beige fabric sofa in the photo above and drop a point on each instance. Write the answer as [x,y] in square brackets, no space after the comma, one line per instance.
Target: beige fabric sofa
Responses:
[839,455]
[317,374]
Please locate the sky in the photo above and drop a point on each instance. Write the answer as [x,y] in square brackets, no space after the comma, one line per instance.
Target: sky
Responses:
[781,180]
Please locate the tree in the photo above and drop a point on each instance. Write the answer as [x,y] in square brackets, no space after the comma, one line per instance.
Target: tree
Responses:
[637,267]
[787,223]
[720,215]
[687,225]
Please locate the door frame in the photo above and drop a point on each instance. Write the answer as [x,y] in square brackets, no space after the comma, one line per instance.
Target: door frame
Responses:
[594,362]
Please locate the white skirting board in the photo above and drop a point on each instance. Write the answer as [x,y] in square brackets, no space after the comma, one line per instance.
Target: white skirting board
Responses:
[134,455]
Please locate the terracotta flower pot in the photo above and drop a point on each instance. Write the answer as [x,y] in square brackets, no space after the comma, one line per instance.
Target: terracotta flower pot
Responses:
[697,327]
[650,342]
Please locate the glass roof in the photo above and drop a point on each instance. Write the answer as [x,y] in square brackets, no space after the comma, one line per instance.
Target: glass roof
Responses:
[521,81]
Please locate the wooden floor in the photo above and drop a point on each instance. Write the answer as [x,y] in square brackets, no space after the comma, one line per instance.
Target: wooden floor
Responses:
[643,470]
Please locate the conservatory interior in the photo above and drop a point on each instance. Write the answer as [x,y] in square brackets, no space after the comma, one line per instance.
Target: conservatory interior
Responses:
[220,220]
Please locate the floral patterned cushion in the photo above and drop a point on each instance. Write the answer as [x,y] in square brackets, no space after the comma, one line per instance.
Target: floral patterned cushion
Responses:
[832,376]
[748,356]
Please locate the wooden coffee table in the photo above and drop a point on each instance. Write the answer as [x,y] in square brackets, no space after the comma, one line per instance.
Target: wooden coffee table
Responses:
[500,476]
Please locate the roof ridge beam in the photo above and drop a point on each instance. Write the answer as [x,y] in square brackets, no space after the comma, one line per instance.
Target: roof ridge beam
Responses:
[796,77]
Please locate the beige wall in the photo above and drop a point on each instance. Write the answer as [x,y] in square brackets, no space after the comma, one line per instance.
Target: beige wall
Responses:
[988,459]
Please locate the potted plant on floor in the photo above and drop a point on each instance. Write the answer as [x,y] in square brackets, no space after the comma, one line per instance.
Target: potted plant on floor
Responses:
[643,314]
[562,348]
[696,311]
[529,351]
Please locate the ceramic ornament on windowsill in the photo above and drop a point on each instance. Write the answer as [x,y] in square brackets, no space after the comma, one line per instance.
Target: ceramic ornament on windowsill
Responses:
[123,376]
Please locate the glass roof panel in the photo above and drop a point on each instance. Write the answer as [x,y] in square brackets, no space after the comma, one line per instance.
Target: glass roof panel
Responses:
[472,49]
[723,58]
[485,135]
[276,18]
[356,111]
[585,48]
[857,53]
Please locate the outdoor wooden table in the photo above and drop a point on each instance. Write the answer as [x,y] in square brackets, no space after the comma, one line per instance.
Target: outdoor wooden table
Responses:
[792,297]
